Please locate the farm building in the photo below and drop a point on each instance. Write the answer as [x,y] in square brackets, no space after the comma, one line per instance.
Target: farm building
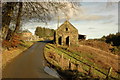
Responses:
[66,34]
[27,36]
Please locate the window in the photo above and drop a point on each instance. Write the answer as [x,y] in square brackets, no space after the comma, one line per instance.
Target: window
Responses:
[66,29]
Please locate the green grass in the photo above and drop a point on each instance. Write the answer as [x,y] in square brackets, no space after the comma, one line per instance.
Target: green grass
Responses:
[76,57]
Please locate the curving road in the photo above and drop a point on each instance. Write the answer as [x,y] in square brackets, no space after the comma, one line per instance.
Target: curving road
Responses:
[29,64]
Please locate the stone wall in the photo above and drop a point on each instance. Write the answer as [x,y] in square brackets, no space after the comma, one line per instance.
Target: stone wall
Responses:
[66,34]
[62,61]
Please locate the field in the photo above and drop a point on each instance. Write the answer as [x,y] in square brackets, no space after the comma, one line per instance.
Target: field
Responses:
[87,56]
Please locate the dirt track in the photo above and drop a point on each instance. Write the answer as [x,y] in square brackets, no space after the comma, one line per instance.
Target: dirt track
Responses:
[29,64]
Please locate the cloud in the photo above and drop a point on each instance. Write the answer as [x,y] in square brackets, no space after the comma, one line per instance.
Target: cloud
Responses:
[91,28]
[87,12]
[87,17]
[100,0]
[91,17]
[108,22]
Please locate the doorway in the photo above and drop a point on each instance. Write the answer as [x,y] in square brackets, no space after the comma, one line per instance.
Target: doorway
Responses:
[60,40]
[68,41]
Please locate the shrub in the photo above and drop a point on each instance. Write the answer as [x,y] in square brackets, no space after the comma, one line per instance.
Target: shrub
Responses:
[6,44]
[115,50]
[14,42]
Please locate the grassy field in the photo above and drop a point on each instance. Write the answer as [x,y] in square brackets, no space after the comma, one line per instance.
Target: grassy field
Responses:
[86,56]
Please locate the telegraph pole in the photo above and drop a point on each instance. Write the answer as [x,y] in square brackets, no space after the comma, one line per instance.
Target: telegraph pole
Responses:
[56,37]
[58,21]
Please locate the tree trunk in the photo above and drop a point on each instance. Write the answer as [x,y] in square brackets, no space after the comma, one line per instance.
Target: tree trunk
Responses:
[7,12]
[18,19]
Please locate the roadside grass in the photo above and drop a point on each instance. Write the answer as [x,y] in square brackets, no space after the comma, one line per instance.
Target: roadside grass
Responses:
[8,55]
[75,57]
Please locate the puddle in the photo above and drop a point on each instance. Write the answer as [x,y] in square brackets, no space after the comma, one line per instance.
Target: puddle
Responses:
[51,72]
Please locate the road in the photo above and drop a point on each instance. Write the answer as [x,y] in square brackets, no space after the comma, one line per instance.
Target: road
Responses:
[29,64]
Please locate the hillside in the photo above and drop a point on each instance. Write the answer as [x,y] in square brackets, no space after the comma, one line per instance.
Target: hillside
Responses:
[97,44]
[87,55]
[114,40]
[97,56]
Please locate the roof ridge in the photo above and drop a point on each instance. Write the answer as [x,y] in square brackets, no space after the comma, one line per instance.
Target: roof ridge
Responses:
[67,22]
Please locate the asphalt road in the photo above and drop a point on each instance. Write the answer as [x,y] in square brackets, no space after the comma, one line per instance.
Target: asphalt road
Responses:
[29,64]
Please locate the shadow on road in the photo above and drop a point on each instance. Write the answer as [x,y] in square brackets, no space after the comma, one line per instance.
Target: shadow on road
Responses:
[47,41]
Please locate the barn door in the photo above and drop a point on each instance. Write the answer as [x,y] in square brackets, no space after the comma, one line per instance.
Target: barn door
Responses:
[60,40]
[68,41]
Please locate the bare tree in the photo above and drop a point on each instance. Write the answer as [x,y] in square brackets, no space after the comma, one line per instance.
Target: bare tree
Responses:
[7,13]
[18,19]
[40,11]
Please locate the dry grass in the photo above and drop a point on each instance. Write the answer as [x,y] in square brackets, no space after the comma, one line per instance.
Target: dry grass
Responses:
[7,56]
[97,56]
[94,53]
[100,53]
[97,44]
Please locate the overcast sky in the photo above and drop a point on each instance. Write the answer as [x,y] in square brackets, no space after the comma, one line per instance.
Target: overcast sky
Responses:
[94,19]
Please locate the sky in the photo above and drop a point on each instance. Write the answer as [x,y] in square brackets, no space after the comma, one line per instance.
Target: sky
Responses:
[94,19]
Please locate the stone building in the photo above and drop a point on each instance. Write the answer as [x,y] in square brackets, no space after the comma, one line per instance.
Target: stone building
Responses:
[66,34]
[27,36]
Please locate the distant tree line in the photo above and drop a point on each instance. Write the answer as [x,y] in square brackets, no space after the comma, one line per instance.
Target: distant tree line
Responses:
[44,32]
[113,39]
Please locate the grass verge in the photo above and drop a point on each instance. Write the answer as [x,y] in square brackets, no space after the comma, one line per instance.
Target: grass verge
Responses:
[76,57]
[8,55]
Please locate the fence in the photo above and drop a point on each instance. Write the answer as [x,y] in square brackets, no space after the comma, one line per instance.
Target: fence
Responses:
[66,62]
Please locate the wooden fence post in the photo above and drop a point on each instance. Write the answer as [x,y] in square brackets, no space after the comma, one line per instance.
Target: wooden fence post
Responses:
[69,66]
[62,60]
[109,72]
[90,71]
[77,64]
